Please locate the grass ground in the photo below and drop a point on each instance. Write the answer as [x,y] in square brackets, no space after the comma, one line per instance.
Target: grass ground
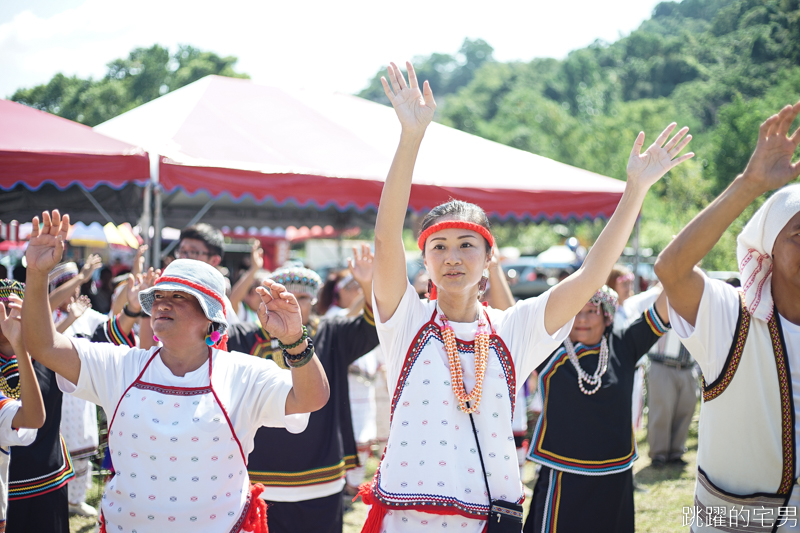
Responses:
[658,510]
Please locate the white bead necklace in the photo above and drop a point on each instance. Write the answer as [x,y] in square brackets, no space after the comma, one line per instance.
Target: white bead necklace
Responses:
[595,379]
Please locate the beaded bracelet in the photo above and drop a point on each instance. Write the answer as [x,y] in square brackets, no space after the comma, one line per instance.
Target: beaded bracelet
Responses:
[301,359]
[303,337]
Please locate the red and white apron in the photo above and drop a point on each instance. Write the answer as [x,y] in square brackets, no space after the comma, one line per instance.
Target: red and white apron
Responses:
[178,463]
[431,463]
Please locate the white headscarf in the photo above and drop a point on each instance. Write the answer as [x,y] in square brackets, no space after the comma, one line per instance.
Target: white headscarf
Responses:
[754,249]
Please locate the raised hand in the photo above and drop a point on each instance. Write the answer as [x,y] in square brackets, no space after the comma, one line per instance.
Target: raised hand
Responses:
[76,308]
[256,256]
[279,312]
[771,166]
[414,108]
[11,321]
[93,262]
[360,265]
[137,284]
[644,169]
[46,244]
[138,261]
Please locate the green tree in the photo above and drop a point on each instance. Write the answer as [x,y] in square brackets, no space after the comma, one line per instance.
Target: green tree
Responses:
[144,75]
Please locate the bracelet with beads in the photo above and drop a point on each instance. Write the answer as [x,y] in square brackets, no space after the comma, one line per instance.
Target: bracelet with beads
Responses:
[303,337]
[301,359]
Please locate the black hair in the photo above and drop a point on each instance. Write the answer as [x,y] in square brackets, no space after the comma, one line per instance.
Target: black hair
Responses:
[19,272]
[327,294]
[457,210]
[208,235]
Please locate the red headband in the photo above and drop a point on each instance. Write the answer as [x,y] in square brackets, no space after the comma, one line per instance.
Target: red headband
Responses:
[459,224]
[195,286]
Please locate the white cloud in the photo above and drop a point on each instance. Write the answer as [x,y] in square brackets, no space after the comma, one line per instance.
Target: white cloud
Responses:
[338,45]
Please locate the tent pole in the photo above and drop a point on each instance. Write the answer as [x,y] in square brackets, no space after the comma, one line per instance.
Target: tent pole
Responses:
[636,252]
[154,179]
[97,206]
[147,219]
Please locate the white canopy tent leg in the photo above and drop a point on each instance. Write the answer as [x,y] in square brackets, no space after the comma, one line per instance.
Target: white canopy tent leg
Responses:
[146,221]
[157,223]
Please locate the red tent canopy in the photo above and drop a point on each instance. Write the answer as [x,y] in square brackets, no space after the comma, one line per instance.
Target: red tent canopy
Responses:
[224,136]
[38,148]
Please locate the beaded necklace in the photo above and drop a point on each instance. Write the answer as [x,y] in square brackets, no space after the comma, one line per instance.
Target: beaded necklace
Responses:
[468,403]
[9,368]
[595,379]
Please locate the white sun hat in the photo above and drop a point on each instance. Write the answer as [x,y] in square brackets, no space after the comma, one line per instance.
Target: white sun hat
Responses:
[199,279]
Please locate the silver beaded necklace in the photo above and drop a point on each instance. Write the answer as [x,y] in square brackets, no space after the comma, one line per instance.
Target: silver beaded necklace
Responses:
[596,379]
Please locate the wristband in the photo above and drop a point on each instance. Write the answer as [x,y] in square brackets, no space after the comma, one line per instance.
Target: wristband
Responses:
[303,358]
[130,313]
[292,358]
[303,337]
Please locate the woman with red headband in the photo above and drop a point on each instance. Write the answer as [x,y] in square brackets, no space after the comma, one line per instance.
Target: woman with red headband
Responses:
[182,418]
[455,366]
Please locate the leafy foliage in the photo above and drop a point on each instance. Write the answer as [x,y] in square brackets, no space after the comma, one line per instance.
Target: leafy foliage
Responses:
[144,75]
[719,66]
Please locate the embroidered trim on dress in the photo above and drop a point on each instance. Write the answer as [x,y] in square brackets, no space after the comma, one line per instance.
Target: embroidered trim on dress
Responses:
[433,503]
[315,476]
[172,391]
[28,488]
[654,321]
[734,357]
[432,330]
[237,527]
[569,464]
[787,412]
[553,502]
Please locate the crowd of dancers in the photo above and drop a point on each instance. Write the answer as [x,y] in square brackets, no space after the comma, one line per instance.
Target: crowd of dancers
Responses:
[253,407]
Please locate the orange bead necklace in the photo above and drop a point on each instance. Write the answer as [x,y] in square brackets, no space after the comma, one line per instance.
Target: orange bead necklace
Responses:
[468,403]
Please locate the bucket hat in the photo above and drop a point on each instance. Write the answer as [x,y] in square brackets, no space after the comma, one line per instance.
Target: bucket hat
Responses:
[199,279]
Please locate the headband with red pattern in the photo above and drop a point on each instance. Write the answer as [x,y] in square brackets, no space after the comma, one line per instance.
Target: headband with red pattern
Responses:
[459,224]
[195,286]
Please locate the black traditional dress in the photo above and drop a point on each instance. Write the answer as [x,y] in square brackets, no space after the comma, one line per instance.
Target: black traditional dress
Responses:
[585,442]
[38,474]
[294,467]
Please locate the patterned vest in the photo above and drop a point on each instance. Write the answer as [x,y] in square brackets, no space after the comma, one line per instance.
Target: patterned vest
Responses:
[746,441]
[431,462]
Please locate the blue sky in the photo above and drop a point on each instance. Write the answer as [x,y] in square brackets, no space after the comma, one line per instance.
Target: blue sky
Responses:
[331,45]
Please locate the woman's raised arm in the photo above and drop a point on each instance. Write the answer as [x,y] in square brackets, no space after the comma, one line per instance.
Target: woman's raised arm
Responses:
[44,343]
[415,110]
[644,169]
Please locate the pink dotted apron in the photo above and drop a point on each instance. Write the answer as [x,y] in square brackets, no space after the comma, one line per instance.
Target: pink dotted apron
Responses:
[178,464]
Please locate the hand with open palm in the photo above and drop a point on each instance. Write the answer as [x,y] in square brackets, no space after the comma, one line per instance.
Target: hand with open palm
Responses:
[11,322]
[414,108]
[360,265]
[644,169]
[770,166]
[46,244]
[279,312]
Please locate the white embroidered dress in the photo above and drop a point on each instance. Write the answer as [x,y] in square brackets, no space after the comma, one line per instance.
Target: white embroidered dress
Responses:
[430,475]
[179,444]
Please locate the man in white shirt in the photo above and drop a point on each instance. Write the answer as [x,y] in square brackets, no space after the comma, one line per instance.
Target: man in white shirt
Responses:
[747,344]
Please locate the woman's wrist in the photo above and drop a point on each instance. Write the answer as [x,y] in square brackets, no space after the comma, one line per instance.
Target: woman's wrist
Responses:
[298,349]
[296,341]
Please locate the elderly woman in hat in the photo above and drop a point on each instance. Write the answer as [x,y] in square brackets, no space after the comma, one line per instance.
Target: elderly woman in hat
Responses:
[183,416]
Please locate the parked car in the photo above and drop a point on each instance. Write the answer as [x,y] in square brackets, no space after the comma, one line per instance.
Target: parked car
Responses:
[526,277]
